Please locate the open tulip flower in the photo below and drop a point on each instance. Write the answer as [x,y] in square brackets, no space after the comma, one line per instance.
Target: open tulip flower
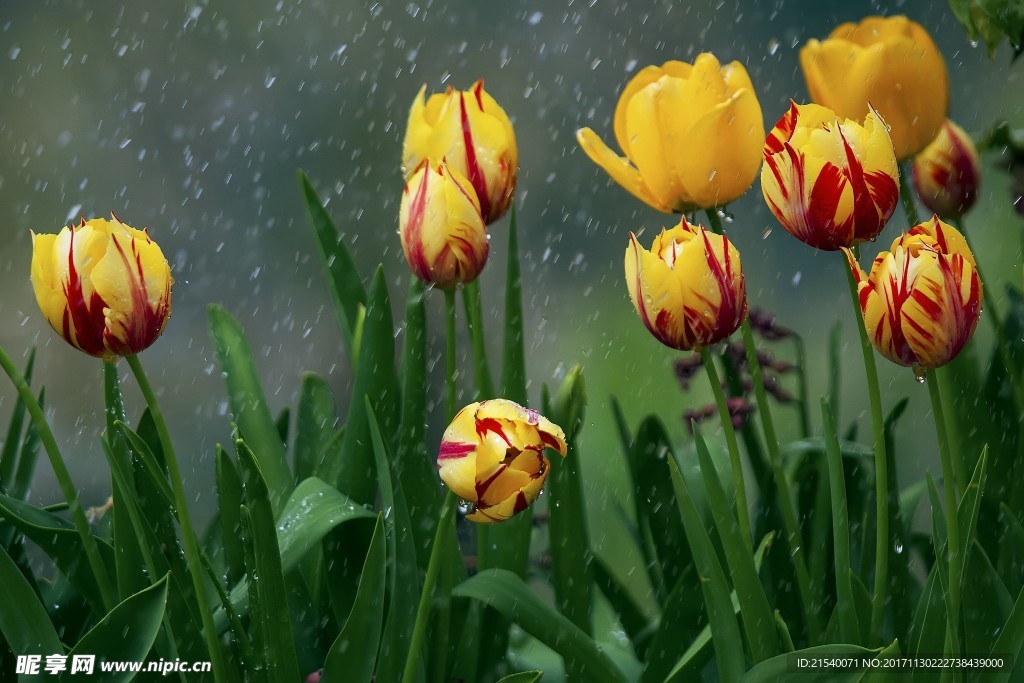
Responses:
[443,234]
[831,183]
[947,174]
[889,63]
[469,131]
[922,300]
[689,288]
[104,286]
[691,135]
[492,456]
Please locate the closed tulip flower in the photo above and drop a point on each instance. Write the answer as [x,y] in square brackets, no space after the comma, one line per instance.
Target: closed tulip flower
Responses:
[689,288]
[947,174]
[443,234]
[889,63]
[104,286]
[469,131]
[690,135]
[922,300]
[831,183]
[492,456]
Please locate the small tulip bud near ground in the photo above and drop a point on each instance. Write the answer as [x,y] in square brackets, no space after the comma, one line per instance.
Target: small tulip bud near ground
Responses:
[830,183]
[688,289]
[922,300]
[888,63]
[492,456]
[471,133]
[103,285]
[690,135]
[947,174]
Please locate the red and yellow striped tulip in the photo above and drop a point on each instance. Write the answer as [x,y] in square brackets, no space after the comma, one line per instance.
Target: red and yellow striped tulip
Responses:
[831,183]
[947,174]
[469,131]
[889,63]
[492,456]
[443,234]
[689,288]
[922,300]
[690,135]
[103,285]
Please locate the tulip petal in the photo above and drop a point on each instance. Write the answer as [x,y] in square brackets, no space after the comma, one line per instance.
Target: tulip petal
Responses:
[643,78]
[657,296]
[417,134]
[943,309]
[618,168]
[513,504]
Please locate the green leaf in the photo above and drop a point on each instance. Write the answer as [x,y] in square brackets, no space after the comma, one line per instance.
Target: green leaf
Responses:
[682,620]
[343,281]
[633,620]
[28,456]
[988,604]
[506,592]
[154,472]
[24,622]
[9,454]
[229,494]
[1011,555]
[1010,640]
[724,629]
[273,642]
[354,652]
[353,472]
[567,523]
[513,357]
[126,633]
[928,629]
[475,321]
[59,540]
[248,405]
[403,580]
[315,426]
[780,670]
[846,609]
[523,677]
[967,510]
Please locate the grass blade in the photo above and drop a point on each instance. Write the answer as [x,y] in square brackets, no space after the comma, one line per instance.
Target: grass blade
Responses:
[849,627]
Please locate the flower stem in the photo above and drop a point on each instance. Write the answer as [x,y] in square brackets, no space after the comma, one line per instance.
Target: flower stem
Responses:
[474,313]
[907,197]
[449,355]
[67,487]
[742,511]
[952,522]
[801,369]
[881,467]
[188,536]
[433,568]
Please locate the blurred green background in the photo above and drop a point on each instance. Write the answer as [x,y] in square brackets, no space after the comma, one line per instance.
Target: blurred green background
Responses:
[191,119]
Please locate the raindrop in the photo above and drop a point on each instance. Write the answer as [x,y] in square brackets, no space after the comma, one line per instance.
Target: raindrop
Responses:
[766,233]
[773,46]
[535,18]
[15,51]
[920,374]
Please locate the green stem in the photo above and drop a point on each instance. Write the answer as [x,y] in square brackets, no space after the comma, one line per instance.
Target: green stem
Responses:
[433,568]
[881,468]
[907,197]
[67,487]
[188,536]
[801,369]
[952,523]
[742,511]
[952,430]
[450,360]
[474,313]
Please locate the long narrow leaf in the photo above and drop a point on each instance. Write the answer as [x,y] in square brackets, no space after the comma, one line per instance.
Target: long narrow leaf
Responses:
[9,454]
[781,669]
[849,627]
[314,426]
[229,493]
[24,623]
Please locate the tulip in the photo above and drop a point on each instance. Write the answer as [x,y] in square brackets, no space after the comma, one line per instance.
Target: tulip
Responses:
[443,234]
[689,288]
[104,286]
[830,183]
[922,300]
[691,136]
[492,456]
[469,131]
[889,63]
[947,174]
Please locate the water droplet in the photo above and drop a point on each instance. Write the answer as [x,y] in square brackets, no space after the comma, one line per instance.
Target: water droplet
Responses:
[920,374]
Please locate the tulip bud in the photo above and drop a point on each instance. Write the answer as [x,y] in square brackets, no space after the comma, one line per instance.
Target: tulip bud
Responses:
[922,300]
[443,235]
[830,183]
[947,174]
[469,131]
[889,63]
[689,288]
[104,286]
[492,456]
[690,135]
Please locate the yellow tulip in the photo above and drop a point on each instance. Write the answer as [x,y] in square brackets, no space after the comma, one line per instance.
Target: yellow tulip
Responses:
[469,131]
[922,300]
[830,183]
[947,174]
[889,63]
[492,456]
[691,136]
[443,235]
[689,288]
[104,286]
